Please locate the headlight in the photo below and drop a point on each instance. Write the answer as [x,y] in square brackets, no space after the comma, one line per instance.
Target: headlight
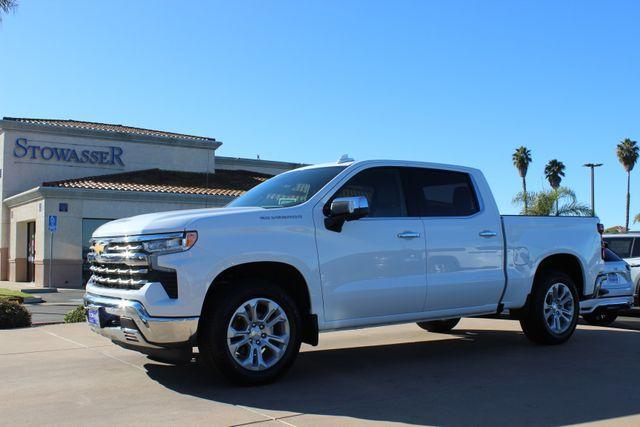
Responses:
[172,244]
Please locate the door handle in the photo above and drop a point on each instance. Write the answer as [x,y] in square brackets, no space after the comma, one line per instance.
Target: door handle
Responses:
[487,233]
[408,235]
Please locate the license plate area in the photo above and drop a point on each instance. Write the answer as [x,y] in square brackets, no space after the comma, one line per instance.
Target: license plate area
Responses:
[93,316]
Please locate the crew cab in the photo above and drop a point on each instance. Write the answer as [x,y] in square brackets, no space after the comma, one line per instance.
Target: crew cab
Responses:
[335,246]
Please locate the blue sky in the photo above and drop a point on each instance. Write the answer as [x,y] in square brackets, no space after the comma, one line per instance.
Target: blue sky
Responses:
[462,82]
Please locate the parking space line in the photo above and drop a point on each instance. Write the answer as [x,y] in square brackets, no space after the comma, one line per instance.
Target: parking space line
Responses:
[47,351]
[97,351]
[269,417]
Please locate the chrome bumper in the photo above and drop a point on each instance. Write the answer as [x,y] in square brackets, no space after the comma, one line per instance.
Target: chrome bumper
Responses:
[127,322]
[609,296]
[589,306]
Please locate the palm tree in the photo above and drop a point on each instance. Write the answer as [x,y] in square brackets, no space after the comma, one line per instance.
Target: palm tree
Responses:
[548,202]
[627,152]
[6,6]
[521,159]
[554,171]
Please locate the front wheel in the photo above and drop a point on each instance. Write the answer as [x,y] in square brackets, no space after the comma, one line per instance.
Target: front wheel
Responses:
[439,326]
[553,309]
[600,317]
[251,333]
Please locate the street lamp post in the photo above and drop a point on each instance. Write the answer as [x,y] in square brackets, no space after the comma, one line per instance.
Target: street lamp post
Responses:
[592,166]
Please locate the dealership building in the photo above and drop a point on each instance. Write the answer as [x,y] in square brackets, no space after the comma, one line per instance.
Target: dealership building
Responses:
[73,176]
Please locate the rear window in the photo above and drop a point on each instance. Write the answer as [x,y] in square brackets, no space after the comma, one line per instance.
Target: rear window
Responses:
[444,193]
[620,245]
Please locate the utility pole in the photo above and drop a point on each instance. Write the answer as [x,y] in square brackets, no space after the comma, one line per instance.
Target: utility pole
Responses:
[592,166]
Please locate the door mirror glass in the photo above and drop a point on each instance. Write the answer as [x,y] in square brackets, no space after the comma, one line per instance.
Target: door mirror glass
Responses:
[345,209]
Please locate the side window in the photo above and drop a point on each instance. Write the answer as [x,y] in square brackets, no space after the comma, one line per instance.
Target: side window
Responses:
[444,193]
[383,189]
[636,248]
[621,246]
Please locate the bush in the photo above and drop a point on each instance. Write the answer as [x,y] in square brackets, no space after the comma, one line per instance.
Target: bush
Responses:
[13,315]
[76,315]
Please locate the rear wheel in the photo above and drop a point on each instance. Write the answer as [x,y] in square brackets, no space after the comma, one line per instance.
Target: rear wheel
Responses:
[439,326]
[251,333]
[553,309]
[601,317]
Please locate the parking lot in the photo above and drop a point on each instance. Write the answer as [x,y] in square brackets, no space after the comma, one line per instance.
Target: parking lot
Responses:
[484,374]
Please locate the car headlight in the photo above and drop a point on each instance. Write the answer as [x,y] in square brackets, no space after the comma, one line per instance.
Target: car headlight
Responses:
[176,243]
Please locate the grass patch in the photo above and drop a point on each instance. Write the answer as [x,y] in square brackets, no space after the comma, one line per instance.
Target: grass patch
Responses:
[10,293]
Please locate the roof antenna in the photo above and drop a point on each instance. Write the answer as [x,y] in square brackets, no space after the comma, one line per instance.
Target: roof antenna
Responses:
[345,159]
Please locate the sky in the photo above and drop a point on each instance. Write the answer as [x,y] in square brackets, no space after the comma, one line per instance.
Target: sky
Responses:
[462,82]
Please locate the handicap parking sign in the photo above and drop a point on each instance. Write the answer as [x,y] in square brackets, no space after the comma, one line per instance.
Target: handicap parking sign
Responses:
[53,223]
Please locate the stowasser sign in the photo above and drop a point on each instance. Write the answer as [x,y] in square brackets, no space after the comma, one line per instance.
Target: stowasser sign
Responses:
[111,156]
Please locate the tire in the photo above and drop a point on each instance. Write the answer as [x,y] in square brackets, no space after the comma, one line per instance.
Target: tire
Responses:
[563,305]
[439,326]
[600,317]
[232,311]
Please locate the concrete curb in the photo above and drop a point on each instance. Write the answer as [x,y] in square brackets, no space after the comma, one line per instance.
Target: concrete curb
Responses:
[36,324]
[39,290]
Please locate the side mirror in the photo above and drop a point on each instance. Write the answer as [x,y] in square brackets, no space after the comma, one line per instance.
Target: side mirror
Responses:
[345,209]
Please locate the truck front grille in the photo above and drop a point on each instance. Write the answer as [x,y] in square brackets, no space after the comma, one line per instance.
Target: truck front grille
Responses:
[115,263]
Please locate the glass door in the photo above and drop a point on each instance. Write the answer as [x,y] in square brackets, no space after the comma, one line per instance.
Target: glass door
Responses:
[31,251]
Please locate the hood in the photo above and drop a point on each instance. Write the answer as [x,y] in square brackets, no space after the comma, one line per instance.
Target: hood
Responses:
[162,222]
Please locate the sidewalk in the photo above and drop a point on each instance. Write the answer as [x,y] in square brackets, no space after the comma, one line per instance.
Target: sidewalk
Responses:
[18,286]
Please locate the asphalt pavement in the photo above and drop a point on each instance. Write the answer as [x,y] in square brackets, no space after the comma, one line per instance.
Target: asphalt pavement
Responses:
[54,306]
[485,373]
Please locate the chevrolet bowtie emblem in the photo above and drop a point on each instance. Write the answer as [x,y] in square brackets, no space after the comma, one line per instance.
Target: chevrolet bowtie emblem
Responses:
[98,248]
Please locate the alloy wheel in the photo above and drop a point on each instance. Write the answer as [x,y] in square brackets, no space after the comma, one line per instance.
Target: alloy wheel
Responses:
[258,334]
[559,308]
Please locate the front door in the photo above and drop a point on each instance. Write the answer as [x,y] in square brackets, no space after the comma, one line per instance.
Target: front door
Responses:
[31,251]
[376,265]
[464,242]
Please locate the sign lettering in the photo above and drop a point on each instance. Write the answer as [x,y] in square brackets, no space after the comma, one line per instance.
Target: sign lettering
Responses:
[24,150]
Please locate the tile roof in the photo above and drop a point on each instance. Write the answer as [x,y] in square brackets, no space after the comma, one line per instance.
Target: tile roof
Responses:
[106,127]
[230,183]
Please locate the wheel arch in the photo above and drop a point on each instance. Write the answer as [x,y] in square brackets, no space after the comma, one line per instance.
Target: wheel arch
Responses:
[566,263]
[279,273]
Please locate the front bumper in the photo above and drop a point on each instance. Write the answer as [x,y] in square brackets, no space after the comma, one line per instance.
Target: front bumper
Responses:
[126,322]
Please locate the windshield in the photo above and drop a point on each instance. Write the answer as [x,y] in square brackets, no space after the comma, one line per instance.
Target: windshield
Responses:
[288,189]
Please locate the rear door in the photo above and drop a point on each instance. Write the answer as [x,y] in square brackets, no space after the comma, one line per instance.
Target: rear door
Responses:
[464,242]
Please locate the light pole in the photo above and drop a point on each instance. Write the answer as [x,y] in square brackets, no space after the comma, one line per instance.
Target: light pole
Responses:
[592,166]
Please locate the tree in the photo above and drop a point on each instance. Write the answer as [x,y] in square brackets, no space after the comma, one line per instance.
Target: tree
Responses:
[521,160]
[559,201]
[6,6]
[554,171]
[627,152]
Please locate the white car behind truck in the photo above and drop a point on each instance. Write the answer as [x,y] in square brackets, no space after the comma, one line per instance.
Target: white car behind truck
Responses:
[335,246]
[627,247]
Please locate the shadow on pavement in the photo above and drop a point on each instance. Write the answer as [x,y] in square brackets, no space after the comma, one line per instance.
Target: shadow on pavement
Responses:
[478,377]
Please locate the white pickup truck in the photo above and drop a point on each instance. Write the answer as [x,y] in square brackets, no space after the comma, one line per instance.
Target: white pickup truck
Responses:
[335,246]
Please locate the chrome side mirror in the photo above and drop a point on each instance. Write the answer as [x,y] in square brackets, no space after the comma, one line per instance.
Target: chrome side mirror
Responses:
[345,209]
